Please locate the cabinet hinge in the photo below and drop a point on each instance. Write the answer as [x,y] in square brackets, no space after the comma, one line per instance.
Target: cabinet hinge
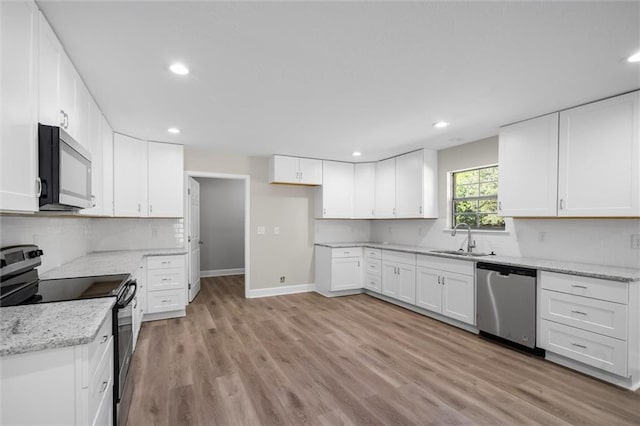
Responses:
[189,191]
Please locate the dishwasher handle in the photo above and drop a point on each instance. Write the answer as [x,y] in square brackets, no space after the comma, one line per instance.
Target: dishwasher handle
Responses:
[506,270]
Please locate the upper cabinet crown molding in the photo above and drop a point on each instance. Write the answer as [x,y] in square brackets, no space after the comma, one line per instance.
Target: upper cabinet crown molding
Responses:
[295,170]
[580,162]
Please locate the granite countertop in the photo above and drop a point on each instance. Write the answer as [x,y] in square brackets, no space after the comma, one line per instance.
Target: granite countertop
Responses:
[31,328]
[613,273]
[43,326]
[106,263]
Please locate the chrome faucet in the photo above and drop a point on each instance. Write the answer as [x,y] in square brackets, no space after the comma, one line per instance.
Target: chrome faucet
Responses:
[470,244]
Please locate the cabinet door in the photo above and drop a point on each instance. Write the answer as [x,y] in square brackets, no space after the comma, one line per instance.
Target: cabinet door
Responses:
[283,169]
[346,273]
[459,297]
[166,171]
[129,176]
[364,190]
[407,283]
[385,189]
[107,167]
[599,158]
[409,181]
[336,192]
[95,147]
[67,100]
[310,171]
[19,131]
[83,112]
[49,55]
[528,168]
[390,286]
[429,289]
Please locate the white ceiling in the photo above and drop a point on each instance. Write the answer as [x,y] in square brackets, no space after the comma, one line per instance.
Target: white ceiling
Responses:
[324,79]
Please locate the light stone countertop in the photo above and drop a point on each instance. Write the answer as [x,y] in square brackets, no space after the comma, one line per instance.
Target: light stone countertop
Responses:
[106,263]
[613,273]
[31,328]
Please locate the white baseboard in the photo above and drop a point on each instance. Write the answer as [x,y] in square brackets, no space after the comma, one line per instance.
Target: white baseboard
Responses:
[278,291]
[221,272]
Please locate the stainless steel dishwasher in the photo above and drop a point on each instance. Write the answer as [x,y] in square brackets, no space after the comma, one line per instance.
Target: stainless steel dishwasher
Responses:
[506,303]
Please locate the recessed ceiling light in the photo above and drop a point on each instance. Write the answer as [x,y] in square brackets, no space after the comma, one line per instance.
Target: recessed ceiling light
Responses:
[173,130]
[179,69]
[440,124]
[634,58]
[356,153]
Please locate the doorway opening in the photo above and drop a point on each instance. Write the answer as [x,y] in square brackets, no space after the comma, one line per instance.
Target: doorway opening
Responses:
[217,224]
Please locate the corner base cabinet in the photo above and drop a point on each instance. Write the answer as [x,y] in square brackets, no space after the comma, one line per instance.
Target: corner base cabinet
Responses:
[338,270]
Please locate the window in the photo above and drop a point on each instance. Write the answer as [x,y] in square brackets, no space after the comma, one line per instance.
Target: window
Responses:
[475,198]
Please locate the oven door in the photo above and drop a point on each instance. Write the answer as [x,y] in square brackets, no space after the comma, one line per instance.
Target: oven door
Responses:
[124,337]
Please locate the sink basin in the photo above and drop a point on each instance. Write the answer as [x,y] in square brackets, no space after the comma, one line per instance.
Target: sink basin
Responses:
[459,253]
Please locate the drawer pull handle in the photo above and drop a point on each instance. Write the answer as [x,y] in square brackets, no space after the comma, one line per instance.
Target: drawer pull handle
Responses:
[166,301]
[579,286]
[579,345]
[164,262]
[579,312]
[166,279]
[104,386]
[104,338]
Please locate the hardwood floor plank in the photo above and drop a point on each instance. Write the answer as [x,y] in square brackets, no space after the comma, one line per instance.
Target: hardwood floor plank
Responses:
[304,359]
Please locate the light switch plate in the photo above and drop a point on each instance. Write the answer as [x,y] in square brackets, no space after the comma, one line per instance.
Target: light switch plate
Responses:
[276,230]
[635,241]
[261,230]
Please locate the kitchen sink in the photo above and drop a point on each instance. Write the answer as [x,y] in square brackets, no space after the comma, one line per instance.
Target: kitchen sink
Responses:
[460,253]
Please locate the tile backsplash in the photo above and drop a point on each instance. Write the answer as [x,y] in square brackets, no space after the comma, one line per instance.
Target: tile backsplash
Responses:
[65,238]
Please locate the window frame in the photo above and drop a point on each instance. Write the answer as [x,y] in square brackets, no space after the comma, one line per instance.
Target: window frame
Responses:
[452,199]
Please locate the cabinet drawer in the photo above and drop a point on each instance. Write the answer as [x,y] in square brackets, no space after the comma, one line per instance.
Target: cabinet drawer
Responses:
[399,257]
[465,267]
[346,252]
[104,417]
[101,383]
[373,282]
[595,315]
[593,349]
[164,262]
[165,279]
[97,348]
[373,253]
[165,301]
[583,286]
[373,267]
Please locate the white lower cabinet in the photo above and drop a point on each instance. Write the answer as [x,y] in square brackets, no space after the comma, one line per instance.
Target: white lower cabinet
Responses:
[166,287]
[63,386]
[399,275]
[592,325]
[140,301]
[373,269]
[338,269]
[447,287]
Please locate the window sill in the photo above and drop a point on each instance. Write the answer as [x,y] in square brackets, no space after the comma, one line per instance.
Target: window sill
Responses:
[479,231]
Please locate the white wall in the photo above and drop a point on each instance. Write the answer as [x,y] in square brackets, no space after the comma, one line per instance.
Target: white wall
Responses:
[221,223]
[600,241]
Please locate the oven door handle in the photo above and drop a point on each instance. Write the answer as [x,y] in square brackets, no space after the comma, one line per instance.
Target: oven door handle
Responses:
[135,290]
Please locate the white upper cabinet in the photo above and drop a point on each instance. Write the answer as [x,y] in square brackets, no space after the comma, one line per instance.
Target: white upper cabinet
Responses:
[385,189]
[528,167]
[19,88]
[130,176]
[364,191]
[294,170]
[85,107]
[599,158]
[94,138]
[107,166]
[166,170]
[49,55]
[417,184]
[334,199]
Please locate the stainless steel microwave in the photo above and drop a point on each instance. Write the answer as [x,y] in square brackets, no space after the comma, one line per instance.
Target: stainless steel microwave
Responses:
[64,171]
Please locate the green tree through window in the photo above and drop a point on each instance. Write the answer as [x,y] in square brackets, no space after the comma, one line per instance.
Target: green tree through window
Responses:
[475,198]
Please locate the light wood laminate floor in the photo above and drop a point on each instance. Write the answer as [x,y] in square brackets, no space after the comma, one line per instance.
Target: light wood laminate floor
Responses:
[305,359]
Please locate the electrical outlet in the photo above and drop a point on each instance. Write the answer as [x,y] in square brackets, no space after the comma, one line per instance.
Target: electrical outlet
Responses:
[276,230]
[635,241]
[282,278]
